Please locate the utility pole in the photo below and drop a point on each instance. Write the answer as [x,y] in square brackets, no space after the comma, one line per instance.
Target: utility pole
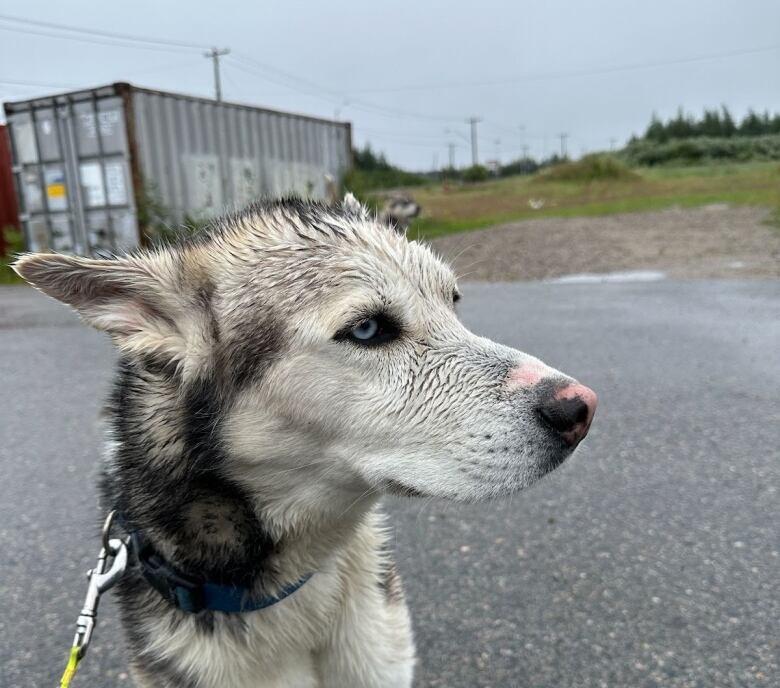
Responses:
[474,155]
[525,151]
[612,142]
[215,54]
[451,147]
[563,136]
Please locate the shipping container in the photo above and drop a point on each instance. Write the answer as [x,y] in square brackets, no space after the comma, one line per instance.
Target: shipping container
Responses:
[9,213]
[97,171]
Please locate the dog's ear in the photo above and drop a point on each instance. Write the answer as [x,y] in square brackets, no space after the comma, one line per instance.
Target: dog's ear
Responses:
[140,301]
[353,206]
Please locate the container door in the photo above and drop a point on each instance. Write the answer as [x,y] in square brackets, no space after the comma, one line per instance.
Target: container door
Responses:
[46,208]
[73,175]
[101,167]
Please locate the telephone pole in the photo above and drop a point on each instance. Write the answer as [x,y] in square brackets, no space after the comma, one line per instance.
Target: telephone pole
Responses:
[451,147]
[474,156]
[215,54]
[563,136]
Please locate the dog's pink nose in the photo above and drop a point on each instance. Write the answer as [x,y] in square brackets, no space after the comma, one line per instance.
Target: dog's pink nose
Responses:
[569,411]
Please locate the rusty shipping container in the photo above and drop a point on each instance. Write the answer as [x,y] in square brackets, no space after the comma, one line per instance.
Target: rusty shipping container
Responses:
[9,213]
[96,168]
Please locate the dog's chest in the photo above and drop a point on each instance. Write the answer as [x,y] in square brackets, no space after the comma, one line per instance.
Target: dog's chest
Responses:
[290,668]
[271,648]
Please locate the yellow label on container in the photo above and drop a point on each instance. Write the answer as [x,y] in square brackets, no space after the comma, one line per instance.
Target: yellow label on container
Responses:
[55,190]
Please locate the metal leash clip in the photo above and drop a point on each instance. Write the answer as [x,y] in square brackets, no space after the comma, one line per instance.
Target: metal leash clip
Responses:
[101,578]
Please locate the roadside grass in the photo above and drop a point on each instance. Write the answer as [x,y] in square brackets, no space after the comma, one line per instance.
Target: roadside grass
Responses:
[14,245]
[457,208]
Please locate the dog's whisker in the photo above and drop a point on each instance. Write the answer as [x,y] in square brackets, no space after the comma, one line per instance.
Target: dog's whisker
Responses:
[302,467]
[468,247]
[371,490]
[427,503]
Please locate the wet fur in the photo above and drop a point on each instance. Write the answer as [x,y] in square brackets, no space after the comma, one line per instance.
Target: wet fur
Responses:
[251,444]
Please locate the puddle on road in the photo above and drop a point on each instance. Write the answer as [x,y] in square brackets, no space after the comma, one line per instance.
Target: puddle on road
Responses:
[602,277]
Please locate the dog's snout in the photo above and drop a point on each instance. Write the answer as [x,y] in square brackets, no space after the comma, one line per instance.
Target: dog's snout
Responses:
[569,411]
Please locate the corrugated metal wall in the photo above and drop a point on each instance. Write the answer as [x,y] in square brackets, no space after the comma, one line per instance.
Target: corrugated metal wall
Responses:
[90,164]
[202,157]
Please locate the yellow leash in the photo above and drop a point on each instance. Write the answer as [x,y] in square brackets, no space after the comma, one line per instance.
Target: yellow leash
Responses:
[70,669]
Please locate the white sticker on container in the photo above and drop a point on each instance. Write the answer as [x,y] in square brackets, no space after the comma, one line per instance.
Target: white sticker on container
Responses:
[108,120]
[92,184]
[56,192]
[115,181]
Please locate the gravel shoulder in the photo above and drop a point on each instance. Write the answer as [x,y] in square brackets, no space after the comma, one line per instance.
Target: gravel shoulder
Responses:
[715,241]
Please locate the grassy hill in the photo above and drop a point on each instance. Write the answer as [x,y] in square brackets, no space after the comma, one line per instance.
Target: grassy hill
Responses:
[454,207]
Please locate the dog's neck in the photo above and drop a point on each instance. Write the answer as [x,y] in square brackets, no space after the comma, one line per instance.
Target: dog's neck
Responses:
[168,478]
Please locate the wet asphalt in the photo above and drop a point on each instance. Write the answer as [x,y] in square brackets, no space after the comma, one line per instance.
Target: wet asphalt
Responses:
[651,558]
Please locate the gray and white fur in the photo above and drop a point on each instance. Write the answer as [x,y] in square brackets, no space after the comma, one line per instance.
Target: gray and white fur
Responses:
[253,428]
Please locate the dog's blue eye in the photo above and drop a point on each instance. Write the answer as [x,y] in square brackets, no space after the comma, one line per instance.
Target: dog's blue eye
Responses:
[371,332]
[365,330]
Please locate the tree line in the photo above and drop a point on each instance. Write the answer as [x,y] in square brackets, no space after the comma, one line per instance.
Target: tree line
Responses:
[712,123]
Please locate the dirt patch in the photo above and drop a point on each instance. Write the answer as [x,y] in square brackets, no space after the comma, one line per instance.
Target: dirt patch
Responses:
[713,241]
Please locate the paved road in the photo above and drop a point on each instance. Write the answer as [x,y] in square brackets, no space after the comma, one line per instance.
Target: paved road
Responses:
[650,559]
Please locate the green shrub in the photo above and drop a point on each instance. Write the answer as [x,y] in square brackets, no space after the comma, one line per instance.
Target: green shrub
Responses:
[365,159]
[14,243]
[156,220]
[519,166]
[587,169]
[476,173]
[702,149]
[362,182]
[371,172]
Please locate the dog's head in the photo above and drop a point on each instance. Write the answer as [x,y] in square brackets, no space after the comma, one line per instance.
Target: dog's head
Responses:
[334,354]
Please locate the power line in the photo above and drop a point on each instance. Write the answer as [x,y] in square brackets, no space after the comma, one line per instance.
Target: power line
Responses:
[50,84]
[570,74]
[400,135]
[280,77]
[310,88]
[409,144]
[35,84]
[115,39]
[105,34]
[113,42]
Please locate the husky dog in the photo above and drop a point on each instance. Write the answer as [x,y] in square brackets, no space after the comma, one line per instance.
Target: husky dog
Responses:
[276,376]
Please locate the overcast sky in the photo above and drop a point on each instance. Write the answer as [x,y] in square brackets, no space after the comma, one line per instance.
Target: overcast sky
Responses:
[408,74]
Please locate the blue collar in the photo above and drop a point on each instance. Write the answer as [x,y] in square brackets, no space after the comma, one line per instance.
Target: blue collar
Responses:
[189,594]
